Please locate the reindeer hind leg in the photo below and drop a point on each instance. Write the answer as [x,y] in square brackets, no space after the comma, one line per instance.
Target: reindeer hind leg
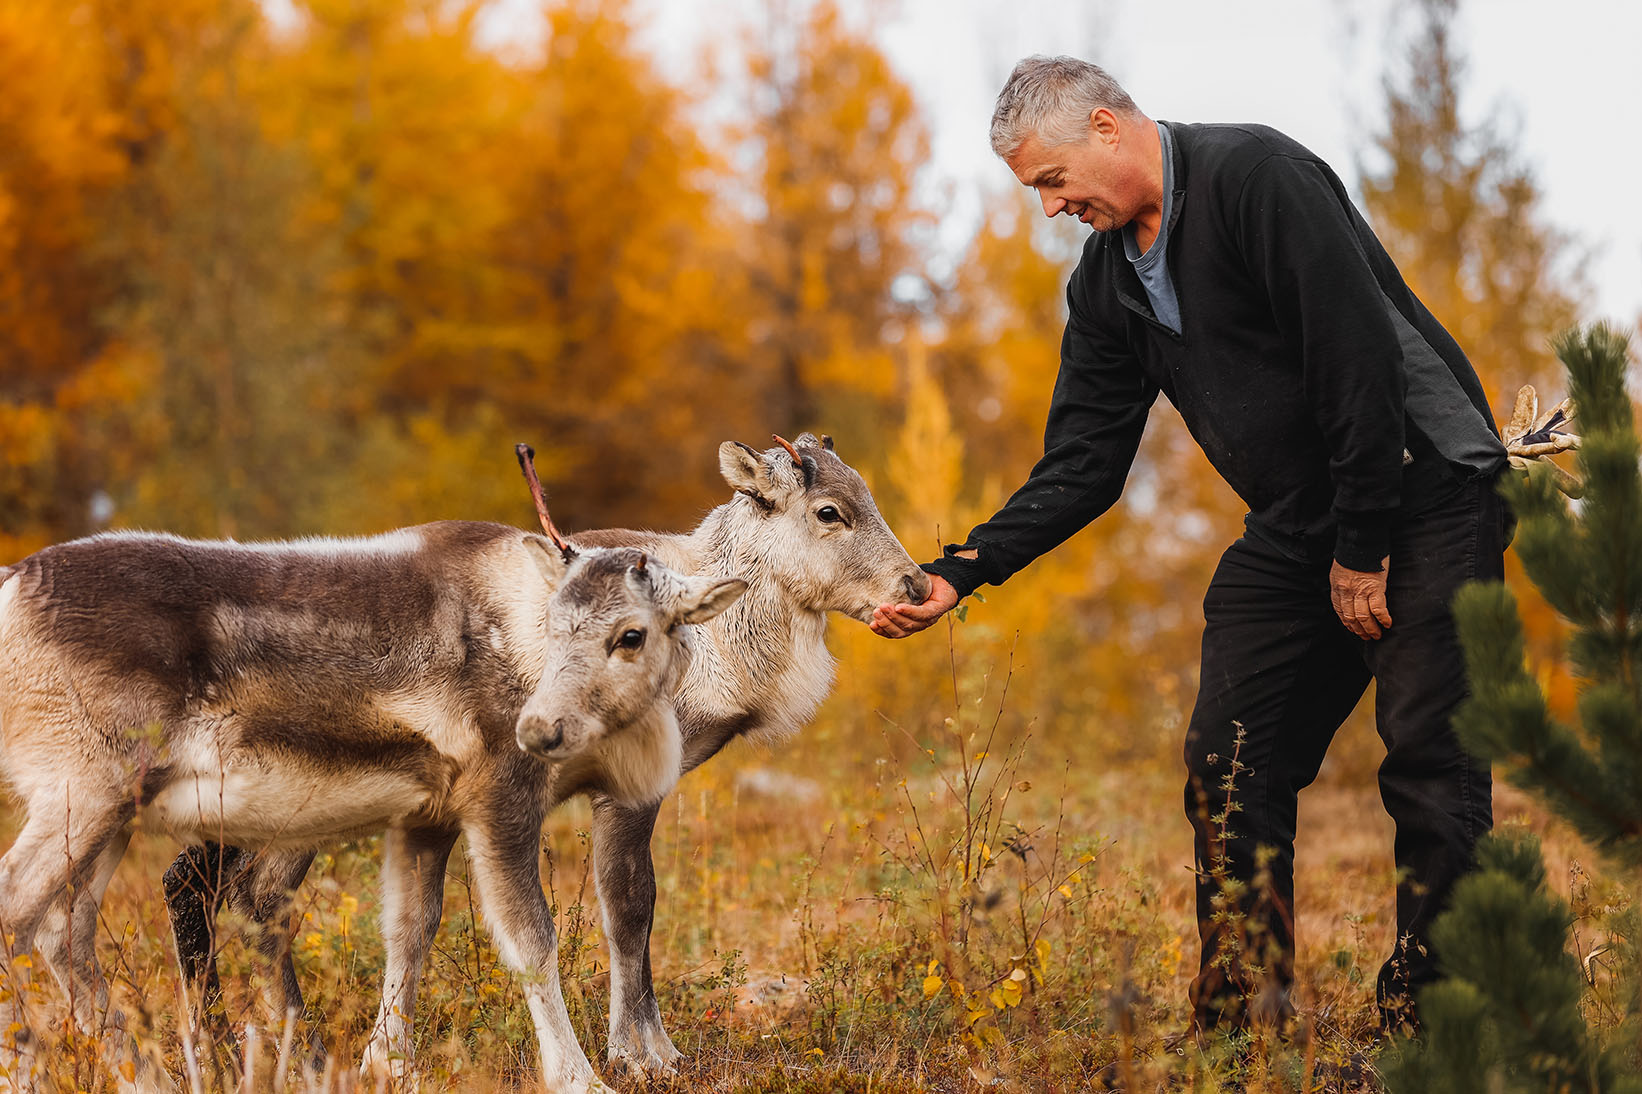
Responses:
[57,847]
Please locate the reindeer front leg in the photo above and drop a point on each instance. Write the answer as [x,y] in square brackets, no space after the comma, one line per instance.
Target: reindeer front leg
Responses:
[502,849]
[627,894]
[413,897]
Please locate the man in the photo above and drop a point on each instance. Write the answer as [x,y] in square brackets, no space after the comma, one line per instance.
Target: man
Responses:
[1229,270]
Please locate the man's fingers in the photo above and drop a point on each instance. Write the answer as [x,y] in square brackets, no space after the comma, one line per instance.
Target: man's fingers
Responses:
[1362,613]
[889,627]
[1377,605]
[900,621]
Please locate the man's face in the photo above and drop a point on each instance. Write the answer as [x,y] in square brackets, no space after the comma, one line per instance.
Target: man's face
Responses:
[1084,180]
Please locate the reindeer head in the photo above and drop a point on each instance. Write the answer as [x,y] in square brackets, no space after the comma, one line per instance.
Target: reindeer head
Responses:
[811,521]
[615,654]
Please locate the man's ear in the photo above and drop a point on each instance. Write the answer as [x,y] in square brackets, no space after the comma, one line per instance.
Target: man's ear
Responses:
[547,558]
[1104,124]
[705,597]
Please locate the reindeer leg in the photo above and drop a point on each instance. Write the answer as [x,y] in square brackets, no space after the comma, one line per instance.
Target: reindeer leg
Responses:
[196,885]
[264,893]
[627,894]
[413,896]
[57,847]
[67,940]
[502,848]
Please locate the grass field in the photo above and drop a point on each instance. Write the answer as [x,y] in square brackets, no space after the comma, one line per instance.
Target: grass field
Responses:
[930,889]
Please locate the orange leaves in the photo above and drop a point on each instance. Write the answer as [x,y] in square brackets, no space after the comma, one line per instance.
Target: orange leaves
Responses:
[840,143]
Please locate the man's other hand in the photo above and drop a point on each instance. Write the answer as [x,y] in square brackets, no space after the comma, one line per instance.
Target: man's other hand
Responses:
[900,620]
[1359,599]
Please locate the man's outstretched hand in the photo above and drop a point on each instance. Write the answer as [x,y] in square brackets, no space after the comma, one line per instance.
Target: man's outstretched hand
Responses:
[900,620]
[1359,599]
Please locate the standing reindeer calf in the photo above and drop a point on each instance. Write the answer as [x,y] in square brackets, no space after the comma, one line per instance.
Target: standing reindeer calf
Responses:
[446,680]
[803,530]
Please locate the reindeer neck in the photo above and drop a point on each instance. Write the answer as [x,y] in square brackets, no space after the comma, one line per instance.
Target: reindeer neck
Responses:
[762,665]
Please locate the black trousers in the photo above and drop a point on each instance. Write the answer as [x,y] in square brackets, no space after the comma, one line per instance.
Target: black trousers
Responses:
[1280,673]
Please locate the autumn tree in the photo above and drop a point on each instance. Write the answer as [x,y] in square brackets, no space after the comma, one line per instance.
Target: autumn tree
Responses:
[163,133]
[61,159]
[839,143]
[1459,212]
[224,312]
[618,317]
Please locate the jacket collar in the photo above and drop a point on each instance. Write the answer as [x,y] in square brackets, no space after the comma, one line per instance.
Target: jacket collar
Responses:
[1181,136]
[1125,282]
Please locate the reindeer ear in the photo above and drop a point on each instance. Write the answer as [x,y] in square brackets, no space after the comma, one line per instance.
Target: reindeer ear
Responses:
[547,558]
[740,467]
[705,597]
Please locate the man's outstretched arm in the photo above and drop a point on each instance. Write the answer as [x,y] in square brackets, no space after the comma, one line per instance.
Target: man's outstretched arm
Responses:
[1096,416]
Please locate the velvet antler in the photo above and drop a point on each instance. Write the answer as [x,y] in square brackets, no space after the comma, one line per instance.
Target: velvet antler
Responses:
[527,464]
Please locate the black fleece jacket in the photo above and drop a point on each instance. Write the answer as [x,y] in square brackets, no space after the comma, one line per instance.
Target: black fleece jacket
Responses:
[1290,368]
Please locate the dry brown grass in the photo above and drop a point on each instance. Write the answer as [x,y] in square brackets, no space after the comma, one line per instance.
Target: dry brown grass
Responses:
[875,906]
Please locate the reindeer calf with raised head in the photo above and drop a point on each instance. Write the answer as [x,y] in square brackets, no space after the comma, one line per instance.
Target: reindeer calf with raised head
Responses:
[803,530]
[450,679]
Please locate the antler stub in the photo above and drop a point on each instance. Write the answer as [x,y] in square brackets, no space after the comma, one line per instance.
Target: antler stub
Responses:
[797,460]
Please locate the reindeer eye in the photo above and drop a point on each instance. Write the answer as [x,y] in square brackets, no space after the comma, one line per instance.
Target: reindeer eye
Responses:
[828,515]
[630,640]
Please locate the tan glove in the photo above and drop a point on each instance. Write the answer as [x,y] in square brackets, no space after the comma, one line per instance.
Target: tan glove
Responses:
[1532,437]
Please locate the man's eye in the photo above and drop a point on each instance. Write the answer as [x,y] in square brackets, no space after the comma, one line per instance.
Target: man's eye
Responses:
[630,640]
[828,515]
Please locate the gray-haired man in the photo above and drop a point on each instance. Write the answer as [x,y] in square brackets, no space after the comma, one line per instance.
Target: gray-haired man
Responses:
[1229,271]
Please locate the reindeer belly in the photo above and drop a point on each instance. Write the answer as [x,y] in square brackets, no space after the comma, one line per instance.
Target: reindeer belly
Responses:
[279,804]
[283,780]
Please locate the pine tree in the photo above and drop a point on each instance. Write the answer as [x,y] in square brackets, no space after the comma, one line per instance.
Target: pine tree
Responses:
[1588,564]
[1508,1015]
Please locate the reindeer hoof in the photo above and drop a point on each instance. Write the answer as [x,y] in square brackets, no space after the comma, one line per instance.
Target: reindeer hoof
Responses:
[380,1066]
[646,1061]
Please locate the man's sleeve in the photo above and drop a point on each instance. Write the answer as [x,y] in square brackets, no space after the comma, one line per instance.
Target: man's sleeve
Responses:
[1096,417]
[1299,237]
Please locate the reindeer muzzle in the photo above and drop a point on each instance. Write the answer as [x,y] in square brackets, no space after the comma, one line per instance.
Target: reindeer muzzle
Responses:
[540,737]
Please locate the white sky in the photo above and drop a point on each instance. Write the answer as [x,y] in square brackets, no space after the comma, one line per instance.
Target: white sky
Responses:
[1560,75]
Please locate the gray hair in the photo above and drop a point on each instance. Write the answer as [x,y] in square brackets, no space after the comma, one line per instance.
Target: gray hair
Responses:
[1051,98]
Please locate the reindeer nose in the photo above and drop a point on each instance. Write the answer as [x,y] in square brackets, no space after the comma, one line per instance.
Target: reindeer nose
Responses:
[535,737]
[917,586]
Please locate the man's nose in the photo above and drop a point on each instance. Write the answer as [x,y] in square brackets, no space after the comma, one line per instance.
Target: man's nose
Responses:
[1051,205]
